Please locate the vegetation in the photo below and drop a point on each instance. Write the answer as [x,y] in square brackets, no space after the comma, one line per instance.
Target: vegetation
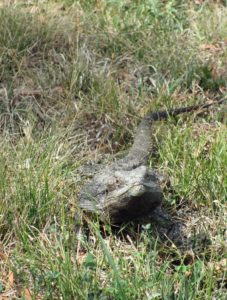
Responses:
[75,78]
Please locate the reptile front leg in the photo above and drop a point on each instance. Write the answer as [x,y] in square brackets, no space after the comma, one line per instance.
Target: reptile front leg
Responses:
[167,227]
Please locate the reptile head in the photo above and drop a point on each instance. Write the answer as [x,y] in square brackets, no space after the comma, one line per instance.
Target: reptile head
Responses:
[122,194]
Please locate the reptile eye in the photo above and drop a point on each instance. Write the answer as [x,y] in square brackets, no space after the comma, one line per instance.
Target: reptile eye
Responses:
[107,191]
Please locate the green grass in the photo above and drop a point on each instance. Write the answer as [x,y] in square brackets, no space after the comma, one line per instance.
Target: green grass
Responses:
[75,78]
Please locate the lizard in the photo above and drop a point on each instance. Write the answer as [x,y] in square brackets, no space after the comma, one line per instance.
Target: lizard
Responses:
[128,189]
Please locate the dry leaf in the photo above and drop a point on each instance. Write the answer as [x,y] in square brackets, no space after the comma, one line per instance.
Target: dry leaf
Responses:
[209,47]
[11,278]
[58,89]
[81,257]
[27,294]
[2,256]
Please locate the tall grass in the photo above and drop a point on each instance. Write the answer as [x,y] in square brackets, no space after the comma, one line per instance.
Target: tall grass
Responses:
[75,79]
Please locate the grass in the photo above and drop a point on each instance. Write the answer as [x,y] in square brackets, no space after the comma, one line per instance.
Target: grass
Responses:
[75,78]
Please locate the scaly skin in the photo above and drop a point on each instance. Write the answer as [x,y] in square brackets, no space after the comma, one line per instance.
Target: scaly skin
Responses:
[127,189]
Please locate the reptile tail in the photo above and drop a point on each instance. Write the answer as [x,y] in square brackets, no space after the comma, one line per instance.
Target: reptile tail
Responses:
[142,145]
[160,115]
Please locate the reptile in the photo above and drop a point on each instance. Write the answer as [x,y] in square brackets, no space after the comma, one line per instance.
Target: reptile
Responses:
[128,189]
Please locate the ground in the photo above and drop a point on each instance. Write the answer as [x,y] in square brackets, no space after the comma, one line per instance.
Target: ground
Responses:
[75,79]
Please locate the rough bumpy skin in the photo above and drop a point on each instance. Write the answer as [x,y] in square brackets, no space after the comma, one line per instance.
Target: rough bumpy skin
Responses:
[128,189]
[137,192]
